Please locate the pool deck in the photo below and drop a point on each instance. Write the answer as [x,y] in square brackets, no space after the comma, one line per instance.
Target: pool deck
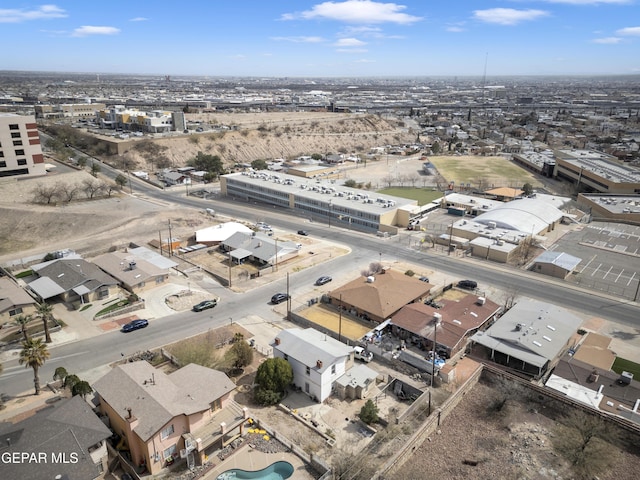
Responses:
[247,458]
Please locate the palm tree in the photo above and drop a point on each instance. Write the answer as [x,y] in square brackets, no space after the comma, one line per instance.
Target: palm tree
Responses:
[44,312]
[23,320]
[34,353]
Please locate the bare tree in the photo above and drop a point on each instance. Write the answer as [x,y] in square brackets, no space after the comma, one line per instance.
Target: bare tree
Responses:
[582,438]
[45,193]
[414,178]
[68,191]
[92,187]
[388,180]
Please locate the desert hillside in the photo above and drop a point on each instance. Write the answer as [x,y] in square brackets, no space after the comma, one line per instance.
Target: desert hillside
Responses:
[242,138]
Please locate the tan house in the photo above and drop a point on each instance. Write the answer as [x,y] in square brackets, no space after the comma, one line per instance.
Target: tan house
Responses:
[134,274]
[456,321]
[14,300]
[379,296]
[157,415]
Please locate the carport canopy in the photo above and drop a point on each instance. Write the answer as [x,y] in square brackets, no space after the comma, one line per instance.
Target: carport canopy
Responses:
[46,288]
[240,254]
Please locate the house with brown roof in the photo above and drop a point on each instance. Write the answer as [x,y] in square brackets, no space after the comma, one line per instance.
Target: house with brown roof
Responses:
[379,296]
[455,321]
[134,274]
[14,300]
[157,415]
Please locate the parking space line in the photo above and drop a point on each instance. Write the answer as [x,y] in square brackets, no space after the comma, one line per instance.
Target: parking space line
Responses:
[618,277]
[608,272]
[631,279]
[598,268]
[588,263]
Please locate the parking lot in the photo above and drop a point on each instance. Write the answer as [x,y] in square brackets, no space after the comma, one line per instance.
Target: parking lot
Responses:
[610,254]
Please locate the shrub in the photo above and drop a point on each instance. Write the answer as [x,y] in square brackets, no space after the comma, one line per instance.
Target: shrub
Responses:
[266,397]
[409,273]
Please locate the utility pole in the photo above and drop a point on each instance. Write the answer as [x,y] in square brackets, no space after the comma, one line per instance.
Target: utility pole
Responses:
[229,267]
[169,241]
[340,321]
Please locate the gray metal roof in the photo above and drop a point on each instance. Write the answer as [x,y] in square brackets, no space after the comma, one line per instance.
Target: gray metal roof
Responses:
[533,331]
[152,257]
[309,345]
[259,245]
[560,259]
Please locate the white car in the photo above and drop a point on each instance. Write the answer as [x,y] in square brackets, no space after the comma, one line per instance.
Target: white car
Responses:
[361,354]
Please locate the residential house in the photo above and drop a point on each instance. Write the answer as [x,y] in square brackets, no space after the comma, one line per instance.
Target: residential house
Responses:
[73,280]
[600,388]
[358,382]
[14,300]
[259,248]
[555,264]
[175,178]
[157,415]
[379,296]
[317,359]
[449,326]
[134,274]
[66,440]
[531,337]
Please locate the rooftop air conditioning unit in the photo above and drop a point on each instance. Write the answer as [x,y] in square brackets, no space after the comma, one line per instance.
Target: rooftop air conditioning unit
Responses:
[481,300]
[370,279]
[436,316]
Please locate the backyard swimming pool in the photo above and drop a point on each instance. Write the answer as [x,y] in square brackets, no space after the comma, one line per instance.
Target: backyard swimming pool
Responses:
[276,471]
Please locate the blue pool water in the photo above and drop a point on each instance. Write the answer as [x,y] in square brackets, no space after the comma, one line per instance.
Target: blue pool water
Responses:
[275,471]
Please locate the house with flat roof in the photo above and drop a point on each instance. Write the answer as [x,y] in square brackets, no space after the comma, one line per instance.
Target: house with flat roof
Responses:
[317,359]
[259,248]
[531,337]
[66,439]
[157,414]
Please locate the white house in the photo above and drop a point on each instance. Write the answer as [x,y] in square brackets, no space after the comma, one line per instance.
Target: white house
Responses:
[317,360]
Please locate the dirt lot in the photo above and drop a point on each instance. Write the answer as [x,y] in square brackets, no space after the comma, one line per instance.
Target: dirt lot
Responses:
[515,445]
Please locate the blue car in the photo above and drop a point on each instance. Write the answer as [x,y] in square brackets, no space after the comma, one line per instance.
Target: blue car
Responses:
[134,325]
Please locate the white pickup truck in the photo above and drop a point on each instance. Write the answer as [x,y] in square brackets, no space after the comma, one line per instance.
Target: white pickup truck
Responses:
[362,354]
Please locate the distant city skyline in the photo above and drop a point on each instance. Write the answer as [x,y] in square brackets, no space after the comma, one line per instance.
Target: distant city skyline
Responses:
[350,38]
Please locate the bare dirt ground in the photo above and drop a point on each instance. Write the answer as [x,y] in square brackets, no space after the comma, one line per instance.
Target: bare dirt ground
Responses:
[516,445]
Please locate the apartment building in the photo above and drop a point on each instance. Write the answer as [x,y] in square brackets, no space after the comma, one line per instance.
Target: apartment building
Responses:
[131,119]
[20,149]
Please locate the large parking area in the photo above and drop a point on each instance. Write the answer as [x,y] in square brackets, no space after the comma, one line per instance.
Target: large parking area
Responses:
[610,254]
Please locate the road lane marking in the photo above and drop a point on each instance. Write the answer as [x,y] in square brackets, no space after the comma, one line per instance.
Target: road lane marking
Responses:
[588,263]
[608,272]
[597,268]
[631,279]
[618,277]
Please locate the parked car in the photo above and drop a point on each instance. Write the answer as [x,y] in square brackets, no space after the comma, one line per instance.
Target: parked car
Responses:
[468,284]
[303,232]
[205,304]
[323,280]
[279,298]
[134,325]
[424,279]
[361,354]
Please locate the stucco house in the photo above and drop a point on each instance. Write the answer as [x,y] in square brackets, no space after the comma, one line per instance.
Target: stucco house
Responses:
[72,280]
[379,296]
[157,415]
[259,248]
[67,437]
[317,360]
[449,326]
[133,274]
[14,300]
[531,337]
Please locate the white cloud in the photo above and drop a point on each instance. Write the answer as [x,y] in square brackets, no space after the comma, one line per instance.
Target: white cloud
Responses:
[635,31]
[299,39]
[364,60]
[352,50]
[356,11]
[20,15]
[607,40]
[349,42]
[93,30]
[508,16]
[138,19]
[455,28]
[590,2]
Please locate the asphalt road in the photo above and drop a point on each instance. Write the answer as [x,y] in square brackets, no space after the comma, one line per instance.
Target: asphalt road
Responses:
[107,348]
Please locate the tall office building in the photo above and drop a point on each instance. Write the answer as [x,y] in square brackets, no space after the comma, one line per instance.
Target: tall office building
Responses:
[20,149]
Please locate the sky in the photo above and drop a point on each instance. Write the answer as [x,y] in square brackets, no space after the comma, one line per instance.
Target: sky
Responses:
[340,38]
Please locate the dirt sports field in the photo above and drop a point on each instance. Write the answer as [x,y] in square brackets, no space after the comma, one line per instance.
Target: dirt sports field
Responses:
[483,172]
